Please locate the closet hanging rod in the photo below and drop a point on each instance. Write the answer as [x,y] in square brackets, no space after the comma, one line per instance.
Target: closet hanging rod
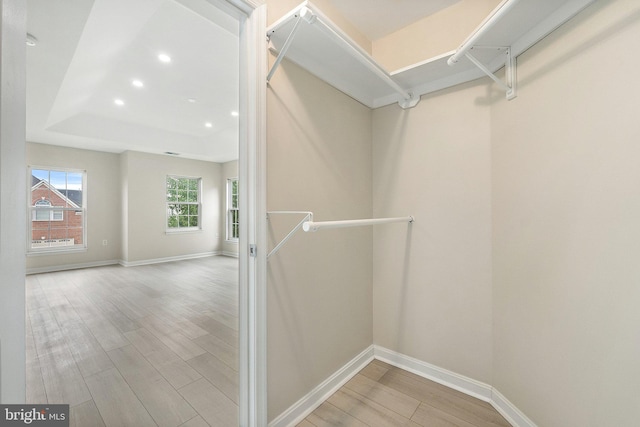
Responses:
[498,13]
[307,224]
[315,226]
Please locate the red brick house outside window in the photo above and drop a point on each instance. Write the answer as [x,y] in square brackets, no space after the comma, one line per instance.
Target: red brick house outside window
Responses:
[57,210]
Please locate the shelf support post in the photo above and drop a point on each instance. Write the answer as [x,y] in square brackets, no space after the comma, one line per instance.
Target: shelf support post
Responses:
[510,72]
[305,14]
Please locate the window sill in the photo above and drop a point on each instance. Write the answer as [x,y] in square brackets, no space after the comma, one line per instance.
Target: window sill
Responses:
[40,252]
[184,231]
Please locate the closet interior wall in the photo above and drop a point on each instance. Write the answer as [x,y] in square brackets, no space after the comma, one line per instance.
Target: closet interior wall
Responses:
[566,235]
[432,283]
[319,294]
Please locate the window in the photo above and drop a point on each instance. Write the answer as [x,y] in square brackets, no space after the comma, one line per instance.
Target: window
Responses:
[183,203]
[233,223]
[57,210]
[46,214]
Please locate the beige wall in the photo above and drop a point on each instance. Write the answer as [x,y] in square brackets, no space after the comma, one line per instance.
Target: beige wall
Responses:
[229,170]
[319,284]
[103,203]
[432,36]
[432,280]
[147,238]
[566,229]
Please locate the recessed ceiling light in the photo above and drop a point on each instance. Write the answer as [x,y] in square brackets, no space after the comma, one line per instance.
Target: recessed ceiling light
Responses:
[163,57]
[234,113]
[118,102]
[208,124]
[192,100]
[137,83]
[31,41]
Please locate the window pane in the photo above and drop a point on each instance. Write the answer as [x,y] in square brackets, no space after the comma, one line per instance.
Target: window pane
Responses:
[193,221]
[193,210]
[183,221]
[192,196]
[182,184]
[58,179]
[172,221]
[41,214]
[74,189]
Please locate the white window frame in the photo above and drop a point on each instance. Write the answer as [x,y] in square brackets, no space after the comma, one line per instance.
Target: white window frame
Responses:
[77,210]
[188,229]
[230,209]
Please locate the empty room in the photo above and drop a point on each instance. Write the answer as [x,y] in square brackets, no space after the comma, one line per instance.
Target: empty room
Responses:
[132,258]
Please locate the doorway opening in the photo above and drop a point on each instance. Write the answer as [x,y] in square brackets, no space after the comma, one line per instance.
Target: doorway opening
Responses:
[69,123]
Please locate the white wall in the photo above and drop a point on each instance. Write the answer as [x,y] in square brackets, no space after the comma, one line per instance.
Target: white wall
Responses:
[432,279]
[319,284]
[103,204]
[146,238]
[229,170]
[13,201]
[566,229]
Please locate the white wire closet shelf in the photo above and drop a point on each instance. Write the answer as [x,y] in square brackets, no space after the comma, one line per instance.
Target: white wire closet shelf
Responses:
[311,40]
[309,225]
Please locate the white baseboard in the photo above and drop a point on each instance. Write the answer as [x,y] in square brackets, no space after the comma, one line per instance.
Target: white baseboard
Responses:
[229,253]
[442,376]
[315,397]
[63,267]
[303,407]
[458,382]
[509,411]
[167,259]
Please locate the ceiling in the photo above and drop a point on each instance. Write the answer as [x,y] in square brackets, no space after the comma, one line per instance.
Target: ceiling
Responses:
[387,16]
[89,52]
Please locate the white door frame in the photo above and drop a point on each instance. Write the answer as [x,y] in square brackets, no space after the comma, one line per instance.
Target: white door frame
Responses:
[252,173]
[252,15]
[253,202]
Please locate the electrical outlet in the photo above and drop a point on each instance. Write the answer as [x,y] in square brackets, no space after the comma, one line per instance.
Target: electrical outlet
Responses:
[104,242]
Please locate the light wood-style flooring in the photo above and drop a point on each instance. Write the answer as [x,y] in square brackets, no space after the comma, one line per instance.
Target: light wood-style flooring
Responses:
[157,346]
[139,346]
[382,395]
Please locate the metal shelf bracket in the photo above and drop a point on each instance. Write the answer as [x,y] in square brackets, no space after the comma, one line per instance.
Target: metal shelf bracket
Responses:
[509,85]
[305,14]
